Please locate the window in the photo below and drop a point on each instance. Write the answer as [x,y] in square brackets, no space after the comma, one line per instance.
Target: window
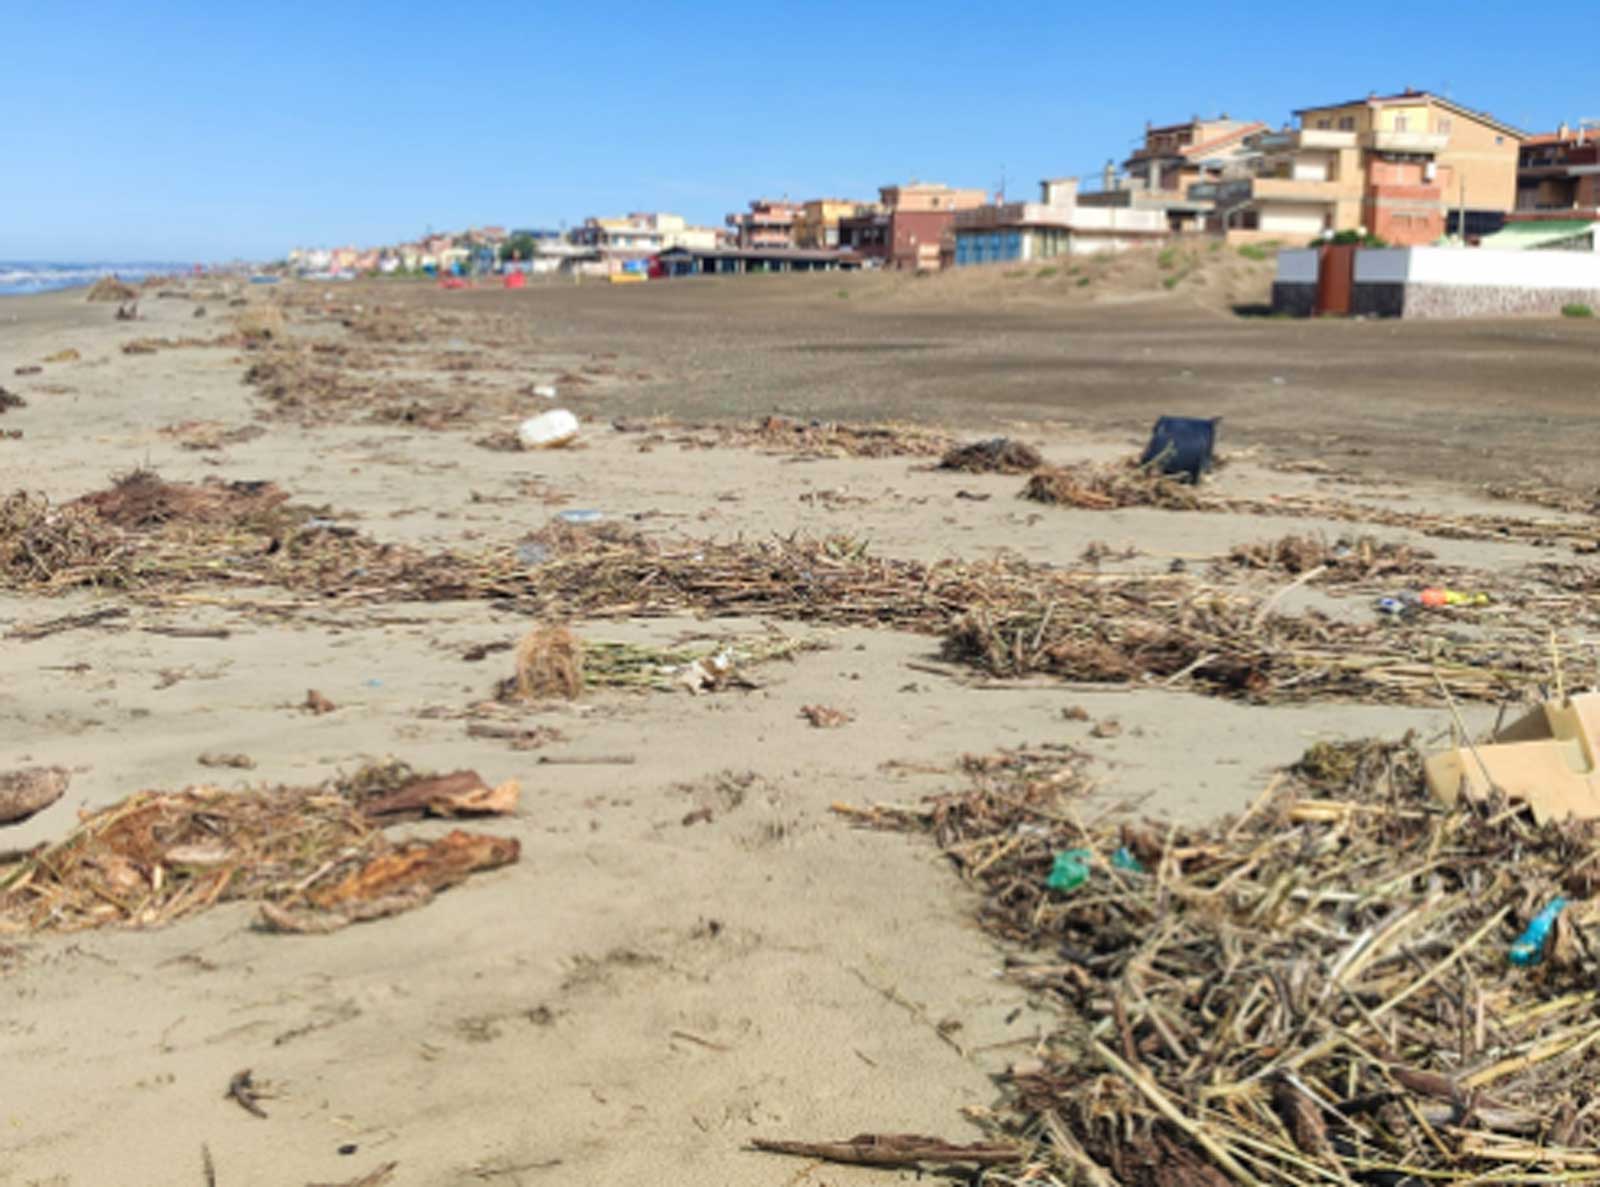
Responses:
[1401,122]
[1322,123]
[1347,123]
[1499,139]
[1445,125]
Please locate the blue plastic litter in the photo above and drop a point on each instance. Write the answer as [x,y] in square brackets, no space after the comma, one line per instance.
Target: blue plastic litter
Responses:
[1182,445]
[1123,859]
[1529,948]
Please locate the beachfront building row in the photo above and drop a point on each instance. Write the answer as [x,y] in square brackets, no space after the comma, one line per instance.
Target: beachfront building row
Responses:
[1410,168]
[1056,225]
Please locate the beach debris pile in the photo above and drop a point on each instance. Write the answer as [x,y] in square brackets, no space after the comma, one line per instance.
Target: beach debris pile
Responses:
[554,663]
[112,290]
[1336,986]
[315,858]
[996,455]
[1364,556]
[788,436]
[1107,486]
[1005,616]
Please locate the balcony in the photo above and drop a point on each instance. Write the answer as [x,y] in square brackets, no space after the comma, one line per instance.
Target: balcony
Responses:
[1326,139]
[1412,142]
[1286,189]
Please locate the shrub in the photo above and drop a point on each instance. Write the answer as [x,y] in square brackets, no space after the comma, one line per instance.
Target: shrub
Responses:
[1047,272]
[1254,251]
[1083,281]
[1347,238]
[1576,309]
[1167,258]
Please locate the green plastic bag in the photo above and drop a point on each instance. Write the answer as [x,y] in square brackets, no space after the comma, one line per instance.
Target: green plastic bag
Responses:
[1070,871]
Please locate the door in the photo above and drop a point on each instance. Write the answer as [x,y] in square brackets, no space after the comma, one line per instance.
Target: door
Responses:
[1336,278]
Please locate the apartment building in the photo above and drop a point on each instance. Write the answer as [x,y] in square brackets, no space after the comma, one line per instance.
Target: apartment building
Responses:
[816,226]
[914,229]
[1558,176]
[767,225]
[1408,168]
[1173,157]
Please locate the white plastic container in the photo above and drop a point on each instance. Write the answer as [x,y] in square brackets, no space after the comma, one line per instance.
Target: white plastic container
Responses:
[548,430]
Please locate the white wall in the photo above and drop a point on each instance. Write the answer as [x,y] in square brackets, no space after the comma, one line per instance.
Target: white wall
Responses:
[1119,218]
[1482,269]
[1294,220]
[1297,266]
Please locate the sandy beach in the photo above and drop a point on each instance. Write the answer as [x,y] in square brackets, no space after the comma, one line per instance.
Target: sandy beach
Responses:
[694,947]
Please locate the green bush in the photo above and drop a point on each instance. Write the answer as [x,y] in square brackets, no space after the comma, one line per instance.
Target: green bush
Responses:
[1349,238]
[1254,251]
[1576,309]
[1167,258]
[843,294]
[1047,272]
[1083,281]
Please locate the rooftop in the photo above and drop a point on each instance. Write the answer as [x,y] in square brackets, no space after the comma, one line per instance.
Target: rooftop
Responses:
[1413,96]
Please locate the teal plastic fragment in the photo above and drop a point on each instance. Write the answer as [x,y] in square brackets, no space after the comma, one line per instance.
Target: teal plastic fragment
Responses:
[1123,859]
[1071,870]
[1529,948]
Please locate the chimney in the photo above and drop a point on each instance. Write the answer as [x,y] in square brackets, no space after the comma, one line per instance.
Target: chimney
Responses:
[1108,179]
[1563,131]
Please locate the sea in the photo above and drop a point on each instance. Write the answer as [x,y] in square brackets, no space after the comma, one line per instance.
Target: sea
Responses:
[36,276]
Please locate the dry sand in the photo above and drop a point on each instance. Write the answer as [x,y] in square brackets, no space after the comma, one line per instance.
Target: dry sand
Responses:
[639,996]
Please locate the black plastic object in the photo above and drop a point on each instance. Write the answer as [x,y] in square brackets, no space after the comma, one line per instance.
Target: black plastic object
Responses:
[1182,445]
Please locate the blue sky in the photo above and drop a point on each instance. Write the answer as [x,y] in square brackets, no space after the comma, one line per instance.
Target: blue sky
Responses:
[211,130]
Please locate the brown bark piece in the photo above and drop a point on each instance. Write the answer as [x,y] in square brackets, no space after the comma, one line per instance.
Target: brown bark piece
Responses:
[460,793]
[432,865]
[894,1149]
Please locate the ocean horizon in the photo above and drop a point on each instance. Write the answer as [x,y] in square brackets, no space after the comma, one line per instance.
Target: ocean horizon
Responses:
[19,277]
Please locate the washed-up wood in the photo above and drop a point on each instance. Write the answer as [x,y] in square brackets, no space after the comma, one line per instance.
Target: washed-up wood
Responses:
[895,1149]
[377,1178]
[460,793]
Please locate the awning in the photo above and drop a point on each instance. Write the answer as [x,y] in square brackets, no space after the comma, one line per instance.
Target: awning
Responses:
[1527,236]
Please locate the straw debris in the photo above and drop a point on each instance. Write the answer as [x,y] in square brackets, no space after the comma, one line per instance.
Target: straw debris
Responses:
[549,664]
[1107,487]
[1317,991]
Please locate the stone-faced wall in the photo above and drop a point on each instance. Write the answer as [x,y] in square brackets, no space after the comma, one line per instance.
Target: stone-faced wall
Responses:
[1449,300]
[1293,298]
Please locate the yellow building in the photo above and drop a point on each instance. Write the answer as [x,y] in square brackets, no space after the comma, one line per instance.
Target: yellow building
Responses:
[1473,156]
[816,226]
